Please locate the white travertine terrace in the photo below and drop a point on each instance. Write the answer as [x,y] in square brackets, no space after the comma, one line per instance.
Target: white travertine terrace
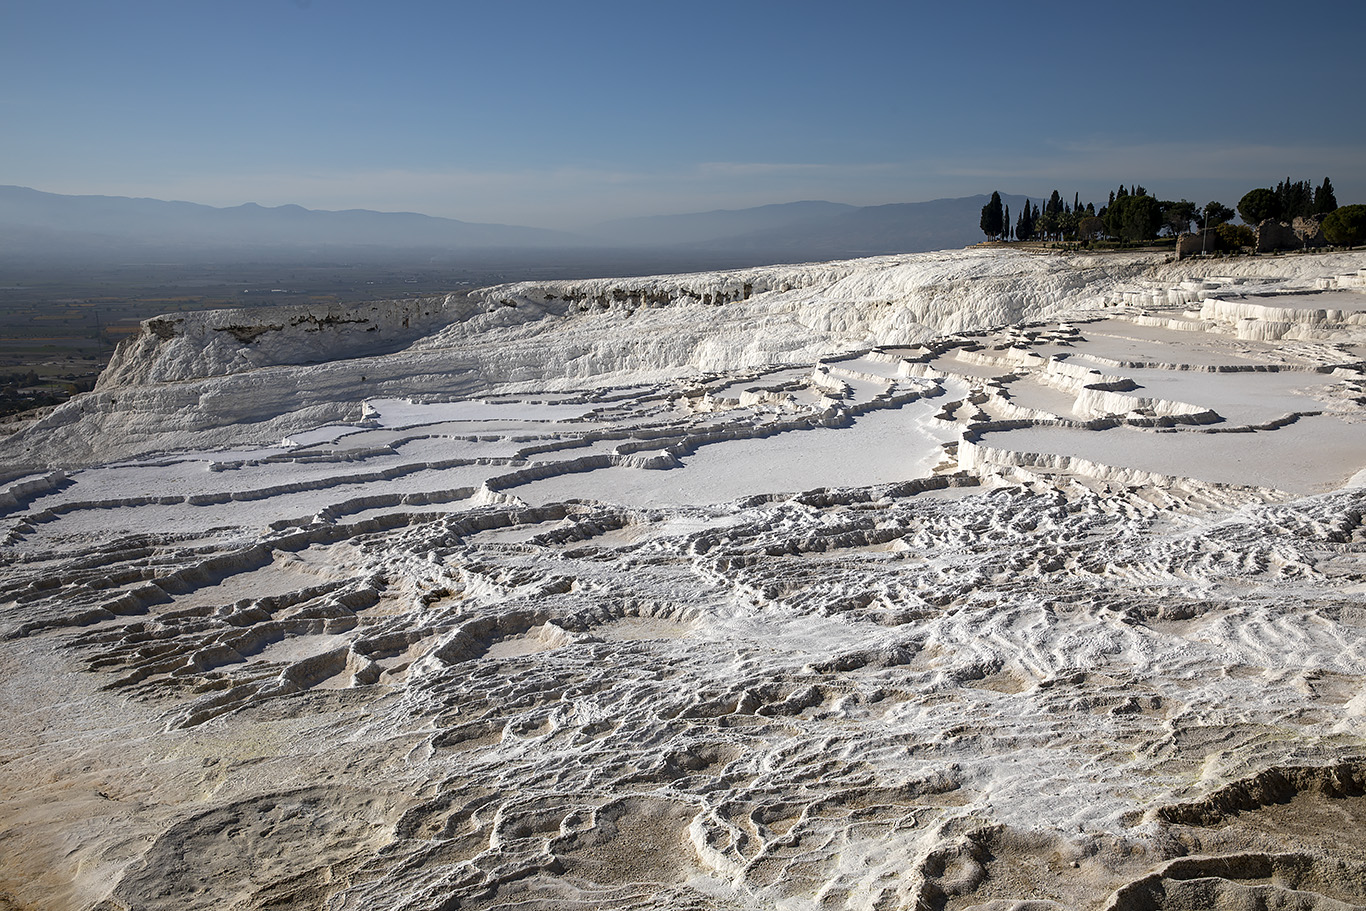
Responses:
[943,581]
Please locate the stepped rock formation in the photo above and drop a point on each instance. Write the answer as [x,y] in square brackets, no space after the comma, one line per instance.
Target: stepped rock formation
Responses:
[963,580]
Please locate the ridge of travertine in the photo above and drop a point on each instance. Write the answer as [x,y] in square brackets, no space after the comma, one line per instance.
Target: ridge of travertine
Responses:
[230,377]
[943,581]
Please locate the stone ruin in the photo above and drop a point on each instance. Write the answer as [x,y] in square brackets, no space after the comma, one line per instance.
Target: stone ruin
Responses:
[1272,236]
[1188,244]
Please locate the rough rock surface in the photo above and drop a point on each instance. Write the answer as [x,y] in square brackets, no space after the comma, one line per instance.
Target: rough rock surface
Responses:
[1191,244]
[1310,230]
[1273,235]
[969,580]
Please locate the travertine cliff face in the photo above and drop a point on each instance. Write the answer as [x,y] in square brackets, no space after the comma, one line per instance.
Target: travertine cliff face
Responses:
[210,343]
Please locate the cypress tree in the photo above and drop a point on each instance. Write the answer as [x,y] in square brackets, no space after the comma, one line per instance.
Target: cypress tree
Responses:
[993,222]
[1324,200]
[1295,198]
[1024,227]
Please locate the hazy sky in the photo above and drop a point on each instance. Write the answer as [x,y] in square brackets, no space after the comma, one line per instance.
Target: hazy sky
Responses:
[564,113]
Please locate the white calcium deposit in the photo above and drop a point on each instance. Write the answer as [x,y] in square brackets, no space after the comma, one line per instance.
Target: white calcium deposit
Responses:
[970,579]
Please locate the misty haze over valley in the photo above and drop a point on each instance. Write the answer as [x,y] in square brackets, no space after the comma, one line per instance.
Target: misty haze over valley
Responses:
[37,227]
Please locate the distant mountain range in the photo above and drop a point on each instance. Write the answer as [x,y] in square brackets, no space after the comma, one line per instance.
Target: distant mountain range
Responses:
[34,224]
[116,222]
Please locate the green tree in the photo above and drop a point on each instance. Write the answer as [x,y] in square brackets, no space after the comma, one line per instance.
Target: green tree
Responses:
[1089,226]
[1054,206]
[1216,213]
[1346,226]
[1024,227]
[1177,216]
[1143,219]
[1258,205]
[1234,236]
[1324,200]
[993,222]
[1048,225]
[1134,218]
[1067,224]
[1296,199]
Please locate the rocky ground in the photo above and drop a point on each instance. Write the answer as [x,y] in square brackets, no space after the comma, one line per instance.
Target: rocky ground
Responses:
[978,579]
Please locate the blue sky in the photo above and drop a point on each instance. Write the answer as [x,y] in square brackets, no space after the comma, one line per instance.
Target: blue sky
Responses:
[565,113]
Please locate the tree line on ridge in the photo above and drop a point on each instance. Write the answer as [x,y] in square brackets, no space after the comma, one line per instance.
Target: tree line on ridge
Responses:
[1132,215]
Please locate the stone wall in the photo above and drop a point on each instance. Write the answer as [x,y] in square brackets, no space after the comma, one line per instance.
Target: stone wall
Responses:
[1310,230]
[1278,235]
[1188,244]
[1273,235]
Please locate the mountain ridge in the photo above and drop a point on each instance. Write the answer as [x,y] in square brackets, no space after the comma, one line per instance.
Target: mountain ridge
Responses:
[148,221]
[37,223]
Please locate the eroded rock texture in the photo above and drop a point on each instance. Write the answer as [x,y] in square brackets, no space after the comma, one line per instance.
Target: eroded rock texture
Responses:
[948,581]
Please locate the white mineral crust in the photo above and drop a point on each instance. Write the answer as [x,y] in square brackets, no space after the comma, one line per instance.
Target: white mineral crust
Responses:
[969,579]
